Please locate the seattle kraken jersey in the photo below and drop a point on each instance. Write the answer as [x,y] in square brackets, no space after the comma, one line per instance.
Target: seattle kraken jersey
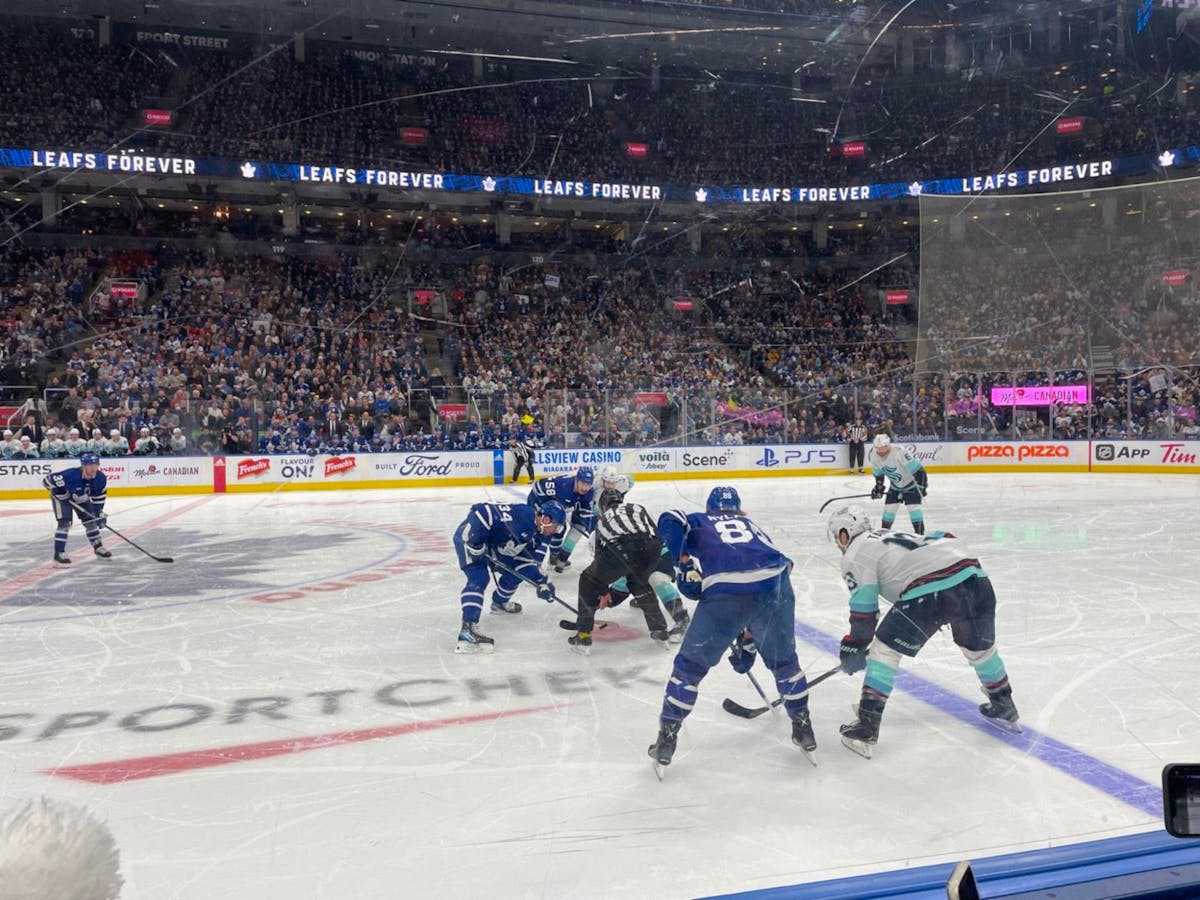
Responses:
[899,467]
[506,531]
[899,566]
[69,484]
[736,555]
[562,489]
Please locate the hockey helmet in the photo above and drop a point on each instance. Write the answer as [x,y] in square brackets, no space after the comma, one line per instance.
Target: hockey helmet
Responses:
[586,475]
[723,500]
[609,475]
[609,499]
[851,519]
[882,441]
[89,459]
[556,512]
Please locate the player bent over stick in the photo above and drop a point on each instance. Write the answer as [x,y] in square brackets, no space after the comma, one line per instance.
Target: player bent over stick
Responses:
[746,584]
[82,490]
[930,582]
[506,540]
[629,553]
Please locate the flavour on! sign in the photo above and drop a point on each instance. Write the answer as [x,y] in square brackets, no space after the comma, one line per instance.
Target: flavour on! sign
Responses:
[336,464]
[248,467]
[1175,276]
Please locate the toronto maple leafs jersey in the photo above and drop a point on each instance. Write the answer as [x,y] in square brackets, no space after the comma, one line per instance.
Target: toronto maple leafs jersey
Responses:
[581,507]
[506,532]
[736,555]
[898,566]
[69,484]
[899,467]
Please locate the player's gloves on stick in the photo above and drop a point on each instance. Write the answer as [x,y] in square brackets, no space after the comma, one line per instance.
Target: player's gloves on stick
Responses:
[688,578]
[853,655]
[877,491]
[545,591]
[744,652]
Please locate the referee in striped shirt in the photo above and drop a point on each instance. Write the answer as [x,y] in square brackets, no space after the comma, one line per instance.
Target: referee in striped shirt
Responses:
[627,546]
[856,437]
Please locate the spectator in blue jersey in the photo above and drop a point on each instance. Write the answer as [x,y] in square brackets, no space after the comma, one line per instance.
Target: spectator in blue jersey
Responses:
[576,493]
[507,541]
[746,584]
[81,491]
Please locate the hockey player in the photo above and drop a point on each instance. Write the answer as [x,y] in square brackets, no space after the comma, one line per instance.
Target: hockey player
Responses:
[907,482]
[9,445]
[27,449]
[629,553]
[53,446]
[147,443]
[118,444]
[930,582]
[612,480]
[177,442]
[76,446]
[577,495]
[746,584]
[79,491]
[506,540]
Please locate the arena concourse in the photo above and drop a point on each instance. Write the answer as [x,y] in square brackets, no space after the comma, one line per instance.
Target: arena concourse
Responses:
[299,280]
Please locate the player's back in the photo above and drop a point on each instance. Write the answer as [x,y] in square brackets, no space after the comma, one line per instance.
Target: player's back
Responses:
[737,556]
[909,565]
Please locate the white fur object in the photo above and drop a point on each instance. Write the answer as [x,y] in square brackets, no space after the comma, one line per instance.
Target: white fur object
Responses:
[51,850]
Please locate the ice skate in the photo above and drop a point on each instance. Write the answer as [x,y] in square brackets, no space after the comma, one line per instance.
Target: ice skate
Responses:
[509,606]
[62,559]
[802,735]
[1001,711]
[862,734]
[101,551]
[581,643]
[470,640]
[663,748]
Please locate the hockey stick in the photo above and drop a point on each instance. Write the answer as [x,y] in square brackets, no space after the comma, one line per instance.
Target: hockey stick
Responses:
[553,595]
[836,499]
[745,712]
[82,512]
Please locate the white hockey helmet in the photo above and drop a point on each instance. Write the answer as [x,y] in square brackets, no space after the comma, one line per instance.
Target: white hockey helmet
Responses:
[50,432]
[882,440]
[851,519]
[609,475]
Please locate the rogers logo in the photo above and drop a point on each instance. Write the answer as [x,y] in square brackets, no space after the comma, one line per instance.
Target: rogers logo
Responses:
[1020,452]
[336,464]
[248,467]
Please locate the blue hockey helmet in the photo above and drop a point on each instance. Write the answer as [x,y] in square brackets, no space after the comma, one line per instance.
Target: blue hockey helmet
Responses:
[89,459]
[723,500]
[556,511]
[586,475]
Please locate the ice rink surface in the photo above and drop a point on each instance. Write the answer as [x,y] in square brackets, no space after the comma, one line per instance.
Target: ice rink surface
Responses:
[280,714]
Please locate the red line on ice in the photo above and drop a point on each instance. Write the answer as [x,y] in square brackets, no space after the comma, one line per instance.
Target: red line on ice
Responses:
[120,770]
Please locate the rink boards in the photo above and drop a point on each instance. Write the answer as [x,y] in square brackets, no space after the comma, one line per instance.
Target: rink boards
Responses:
[133,476]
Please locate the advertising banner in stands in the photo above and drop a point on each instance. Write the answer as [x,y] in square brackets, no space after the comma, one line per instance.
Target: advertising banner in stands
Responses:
[157,117]
[188,38]
[322,172]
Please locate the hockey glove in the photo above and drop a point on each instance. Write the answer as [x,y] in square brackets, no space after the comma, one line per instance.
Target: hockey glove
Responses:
[853,655]
[744,652]
[688,579]
[877,491]
[545,591]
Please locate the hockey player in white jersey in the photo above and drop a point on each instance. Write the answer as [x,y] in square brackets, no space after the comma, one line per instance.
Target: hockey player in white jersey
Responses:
[53,446]
[75,445]
[907,482]
[930,582]
[612,480]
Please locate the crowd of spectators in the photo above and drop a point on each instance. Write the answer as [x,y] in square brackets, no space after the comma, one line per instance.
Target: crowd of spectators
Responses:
[700,127]
[246,354]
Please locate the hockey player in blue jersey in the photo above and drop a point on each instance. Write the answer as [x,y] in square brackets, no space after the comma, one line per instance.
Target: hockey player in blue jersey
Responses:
[507,540]
[907,482]
[576,494]
[746,584]
[929,581]
[82,491]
